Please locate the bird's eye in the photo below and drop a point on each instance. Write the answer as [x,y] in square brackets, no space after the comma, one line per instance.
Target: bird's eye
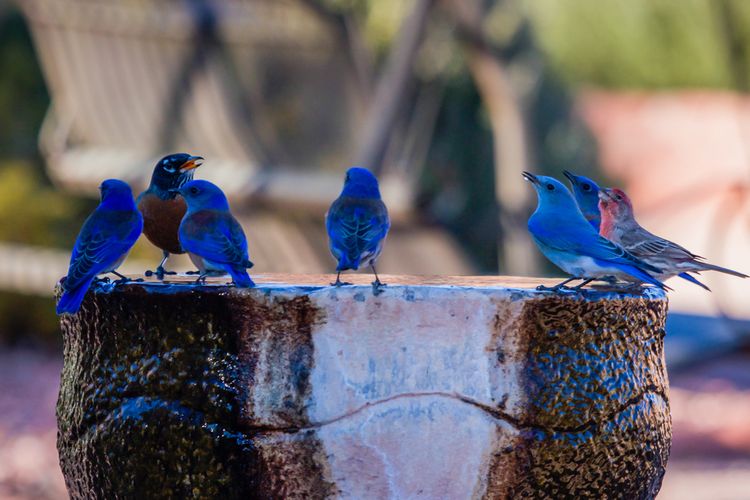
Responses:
[193,190]
[550,187]
[585,187]
[618,197]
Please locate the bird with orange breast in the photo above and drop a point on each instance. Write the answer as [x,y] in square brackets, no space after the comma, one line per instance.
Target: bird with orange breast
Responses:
[162,207]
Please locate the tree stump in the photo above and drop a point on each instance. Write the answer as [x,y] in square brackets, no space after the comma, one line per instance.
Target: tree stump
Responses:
[437,388]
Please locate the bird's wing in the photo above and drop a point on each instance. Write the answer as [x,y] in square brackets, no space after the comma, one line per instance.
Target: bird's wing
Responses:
[587,242]
[644,243]
[104,238]
[216,236]
[357,226]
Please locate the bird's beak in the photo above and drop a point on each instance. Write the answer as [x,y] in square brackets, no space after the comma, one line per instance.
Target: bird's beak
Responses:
[191,163]
[531,178]
[570,176]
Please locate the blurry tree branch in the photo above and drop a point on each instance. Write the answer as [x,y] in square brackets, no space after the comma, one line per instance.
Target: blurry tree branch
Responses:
[348,33]
[509,135]
[207,44]
[392,87]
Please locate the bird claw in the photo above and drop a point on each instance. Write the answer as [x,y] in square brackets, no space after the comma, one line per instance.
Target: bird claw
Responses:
[629,288]
[377,287]
[160,272]
[555,288]
[339,283]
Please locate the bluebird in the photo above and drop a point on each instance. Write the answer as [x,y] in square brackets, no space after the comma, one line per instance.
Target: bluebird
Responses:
[586,193]
[357,224]
[567,239]
[212,237]
[162,209]
[619,225]
[103,243]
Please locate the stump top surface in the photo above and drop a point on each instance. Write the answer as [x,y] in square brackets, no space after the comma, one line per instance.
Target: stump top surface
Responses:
[314,282]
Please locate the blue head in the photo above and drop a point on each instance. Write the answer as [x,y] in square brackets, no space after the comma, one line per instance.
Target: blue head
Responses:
[360,183]
[553,196]
[586,193]
[116,195]
[203,195]
[174,171]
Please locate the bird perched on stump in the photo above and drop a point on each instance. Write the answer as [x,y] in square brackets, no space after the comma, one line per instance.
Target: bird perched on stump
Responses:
[211,236]
[103,243]
[162,209]
[357,224]
[619,225]
[567,239]
[586,194]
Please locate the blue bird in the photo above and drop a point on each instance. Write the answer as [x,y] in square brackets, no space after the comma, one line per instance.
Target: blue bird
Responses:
[567,239]
[586,193]
[103,243]
[212,237]
[357,224]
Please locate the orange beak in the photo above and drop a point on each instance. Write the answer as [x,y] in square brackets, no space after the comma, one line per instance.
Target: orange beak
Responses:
[191,163]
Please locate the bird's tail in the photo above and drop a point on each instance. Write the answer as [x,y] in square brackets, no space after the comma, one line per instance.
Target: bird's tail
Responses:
[240,277]
[693,279]
[346,263]
[705,266]
[645,277]
[71,300]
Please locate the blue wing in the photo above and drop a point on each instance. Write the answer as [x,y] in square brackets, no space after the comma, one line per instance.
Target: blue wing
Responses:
[356,227]
[216,236]
[106,236]
[584,240]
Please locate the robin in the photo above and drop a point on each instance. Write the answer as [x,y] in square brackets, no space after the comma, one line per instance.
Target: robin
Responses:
[162,208]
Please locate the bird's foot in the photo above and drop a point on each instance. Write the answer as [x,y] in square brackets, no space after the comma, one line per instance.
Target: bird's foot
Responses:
[556,288]
[201,279]
[339,283]
[377,287]
[628,288]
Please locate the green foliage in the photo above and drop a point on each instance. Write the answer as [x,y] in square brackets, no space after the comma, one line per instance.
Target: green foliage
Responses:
[33,212]
[650,44]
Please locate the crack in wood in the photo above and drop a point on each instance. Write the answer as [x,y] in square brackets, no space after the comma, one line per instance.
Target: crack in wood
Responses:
[495,413]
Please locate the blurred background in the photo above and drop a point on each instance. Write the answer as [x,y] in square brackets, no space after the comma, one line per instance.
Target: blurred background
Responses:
[448,101]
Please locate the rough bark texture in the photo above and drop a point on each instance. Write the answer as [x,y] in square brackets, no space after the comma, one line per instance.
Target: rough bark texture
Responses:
[486,390]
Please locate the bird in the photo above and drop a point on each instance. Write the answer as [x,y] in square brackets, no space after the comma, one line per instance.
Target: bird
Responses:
[162,209]
[586,194]
[569,241]
[357,223]
[211,236]
[619,226]
[104,241]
